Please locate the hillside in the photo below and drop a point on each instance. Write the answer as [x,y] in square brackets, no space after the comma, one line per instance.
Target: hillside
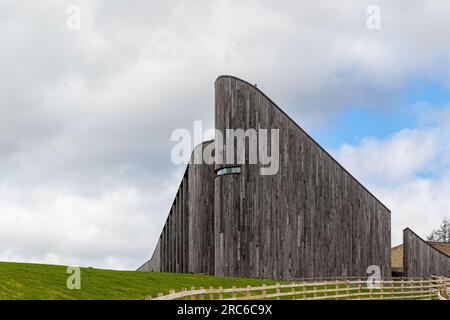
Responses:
[37,281]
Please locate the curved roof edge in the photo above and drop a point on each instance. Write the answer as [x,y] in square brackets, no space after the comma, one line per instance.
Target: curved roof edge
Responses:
[138,269]
[417,236]
[179,186]
[200,145]
[306,133]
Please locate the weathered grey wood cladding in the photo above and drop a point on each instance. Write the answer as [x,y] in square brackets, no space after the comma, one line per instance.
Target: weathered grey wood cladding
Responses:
[186,242]
[420,259]
[311,219]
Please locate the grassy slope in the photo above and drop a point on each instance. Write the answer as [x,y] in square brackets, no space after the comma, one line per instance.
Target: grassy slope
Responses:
[36,281]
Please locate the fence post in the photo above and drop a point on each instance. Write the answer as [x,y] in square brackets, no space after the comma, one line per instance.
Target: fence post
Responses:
[337,289]
[264,293]
[421,288]
[411,284]
[405,287]
[184,290]
[430,288]
[249,293]
[304,290]
[192,294]
[293,291]
[360,288]
[360,291]
[160,294]
[211,293]
[220,293]
[233,294]
[278,291]
[202,296]
[392,287]
[314,291]
[402,289]
[347,286]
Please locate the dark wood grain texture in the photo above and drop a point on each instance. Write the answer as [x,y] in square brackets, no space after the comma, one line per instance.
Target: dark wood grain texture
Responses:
[186,242]
[310,220]
[420,259]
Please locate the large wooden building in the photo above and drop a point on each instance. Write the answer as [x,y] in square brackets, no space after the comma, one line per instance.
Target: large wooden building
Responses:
[311,219]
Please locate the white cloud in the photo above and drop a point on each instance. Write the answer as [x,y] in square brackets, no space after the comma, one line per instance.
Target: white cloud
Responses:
[394,159]
[408,171]
[86,116]
[54,224]
[420,204]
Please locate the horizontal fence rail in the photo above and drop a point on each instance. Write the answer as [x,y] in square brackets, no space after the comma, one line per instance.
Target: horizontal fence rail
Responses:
[420,289]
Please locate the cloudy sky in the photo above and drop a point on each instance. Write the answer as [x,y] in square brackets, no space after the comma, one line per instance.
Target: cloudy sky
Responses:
[86,114]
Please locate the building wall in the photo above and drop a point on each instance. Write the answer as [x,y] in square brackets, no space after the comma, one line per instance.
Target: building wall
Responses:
[421,259]
[201,216]
[312,219]
[186,242]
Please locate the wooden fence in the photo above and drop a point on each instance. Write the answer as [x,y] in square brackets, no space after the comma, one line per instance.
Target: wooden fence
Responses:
[398,289]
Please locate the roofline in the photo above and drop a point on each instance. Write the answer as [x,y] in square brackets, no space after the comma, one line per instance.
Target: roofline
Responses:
[175,198]
[145,263]
[307,134]
[184,175]
[408,229]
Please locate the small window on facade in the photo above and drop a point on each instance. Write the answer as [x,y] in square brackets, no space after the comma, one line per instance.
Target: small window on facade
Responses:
[230,170]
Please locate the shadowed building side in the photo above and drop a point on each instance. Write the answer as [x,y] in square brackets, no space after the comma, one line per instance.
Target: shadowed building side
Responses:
[186,242]
[421,259]
[311,219]
[201,214]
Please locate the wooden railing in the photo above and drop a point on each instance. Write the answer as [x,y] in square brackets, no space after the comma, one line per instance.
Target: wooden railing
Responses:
[423,289]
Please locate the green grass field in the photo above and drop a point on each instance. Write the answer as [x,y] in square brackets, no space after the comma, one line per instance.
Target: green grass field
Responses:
[37,281]
[26,281]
